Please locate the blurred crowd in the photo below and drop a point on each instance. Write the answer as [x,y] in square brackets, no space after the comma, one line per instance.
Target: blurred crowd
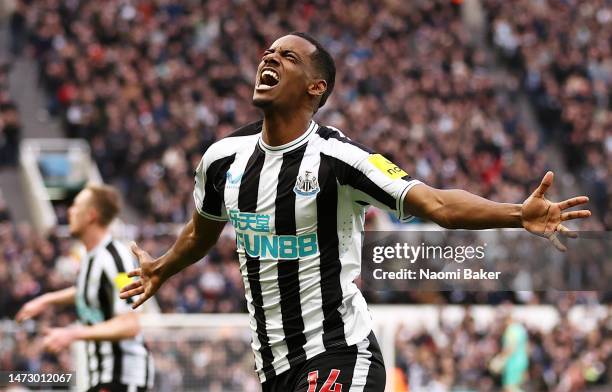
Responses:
[459,357]
[29,266]
[152,83]
[562,52]
[195,361]
[10,128]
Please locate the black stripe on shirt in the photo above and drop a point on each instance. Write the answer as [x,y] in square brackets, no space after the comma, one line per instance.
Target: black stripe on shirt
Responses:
[247,202]
[348,175]
[249,186]
[105,299]
[327,233]
[214,188]
[86,285]
[288,270]
[105,296]
[117,362]
[327,133]
[118,263]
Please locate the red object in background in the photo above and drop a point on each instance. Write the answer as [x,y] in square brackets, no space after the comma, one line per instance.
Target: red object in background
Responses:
[146,10]
[66,93]
[95,53]
[493,172]
[309,11]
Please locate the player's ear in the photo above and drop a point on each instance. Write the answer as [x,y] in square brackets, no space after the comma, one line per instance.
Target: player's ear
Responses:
[317,87]
[92,214]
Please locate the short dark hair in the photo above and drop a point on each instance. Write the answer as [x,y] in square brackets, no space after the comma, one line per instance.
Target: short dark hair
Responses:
[324,63]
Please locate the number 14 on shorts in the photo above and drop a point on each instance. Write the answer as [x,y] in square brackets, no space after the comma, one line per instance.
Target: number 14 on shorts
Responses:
[330,384]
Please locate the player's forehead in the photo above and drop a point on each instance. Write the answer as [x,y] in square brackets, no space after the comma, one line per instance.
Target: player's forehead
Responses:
[294,43]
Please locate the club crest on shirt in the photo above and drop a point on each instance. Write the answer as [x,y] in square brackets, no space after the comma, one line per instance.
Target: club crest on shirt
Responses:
[306,185]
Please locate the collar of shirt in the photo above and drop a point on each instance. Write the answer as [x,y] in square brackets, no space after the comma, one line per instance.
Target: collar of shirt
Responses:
[105,241]
[292,145]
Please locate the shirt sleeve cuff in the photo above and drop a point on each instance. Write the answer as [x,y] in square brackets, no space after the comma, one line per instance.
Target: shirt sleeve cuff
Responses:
[211,217]
[403,216]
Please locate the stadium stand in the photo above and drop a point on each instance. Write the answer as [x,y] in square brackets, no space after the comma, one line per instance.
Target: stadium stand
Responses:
[151,84]
[566,70]
[151,100]
[458,356]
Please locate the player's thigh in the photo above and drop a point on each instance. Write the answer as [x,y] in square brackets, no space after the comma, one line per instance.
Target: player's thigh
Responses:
[335,377]
[358,368]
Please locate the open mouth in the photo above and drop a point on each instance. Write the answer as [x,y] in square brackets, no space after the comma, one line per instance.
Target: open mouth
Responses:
[268,80]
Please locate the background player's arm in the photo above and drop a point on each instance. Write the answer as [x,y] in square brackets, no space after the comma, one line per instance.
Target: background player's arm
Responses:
[123,326]
[458,209]
[194,241]
[35,306]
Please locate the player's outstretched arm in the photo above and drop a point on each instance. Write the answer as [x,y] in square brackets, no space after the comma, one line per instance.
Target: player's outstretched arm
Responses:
[458,209]
[194,241]
[123,326]
[35,306]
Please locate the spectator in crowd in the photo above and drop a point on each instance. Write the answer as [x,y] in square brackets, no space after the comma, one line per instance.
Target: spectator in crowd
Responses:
[10,128]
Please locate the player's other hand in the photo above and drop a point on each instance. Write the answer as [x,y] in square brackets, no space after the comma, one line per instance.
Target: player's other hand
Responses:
[542,217]
[149,278]
[30,309]
[58,339]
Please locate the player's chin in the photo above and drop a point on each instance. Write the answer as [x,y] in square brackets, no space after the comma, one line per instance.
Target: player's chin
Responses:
[261,100]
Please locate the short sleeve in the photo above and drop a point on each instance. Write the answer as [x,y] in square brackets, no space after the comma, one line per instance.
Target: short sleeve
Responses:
[377,181]
[373,179]
[121,306]
[209,183]
[114,277]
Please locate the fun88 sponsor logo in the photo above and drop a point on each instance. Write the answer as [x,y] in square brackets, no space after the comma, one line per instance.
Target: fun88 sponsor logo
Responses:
[250,237]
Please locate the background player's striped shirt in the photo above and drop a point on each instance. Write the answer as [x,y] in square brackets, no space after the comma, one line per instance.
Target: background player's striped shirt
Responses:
[103,271]
[298,211]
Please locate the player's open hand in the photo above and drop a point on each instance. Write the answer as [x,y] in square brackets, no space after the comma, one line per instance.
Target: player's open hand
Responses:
[58,339]
[31,309]
[149,278]
[543,217]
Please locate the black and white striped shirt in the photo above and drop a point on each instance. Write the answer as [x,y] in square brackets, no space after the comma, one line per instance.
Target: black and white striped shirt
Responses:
[102,273]
[298,212]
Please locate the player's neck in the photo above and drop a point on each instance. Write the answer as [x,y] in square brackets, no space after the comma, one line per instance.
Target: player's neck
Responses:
[93,236]
[279,128]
